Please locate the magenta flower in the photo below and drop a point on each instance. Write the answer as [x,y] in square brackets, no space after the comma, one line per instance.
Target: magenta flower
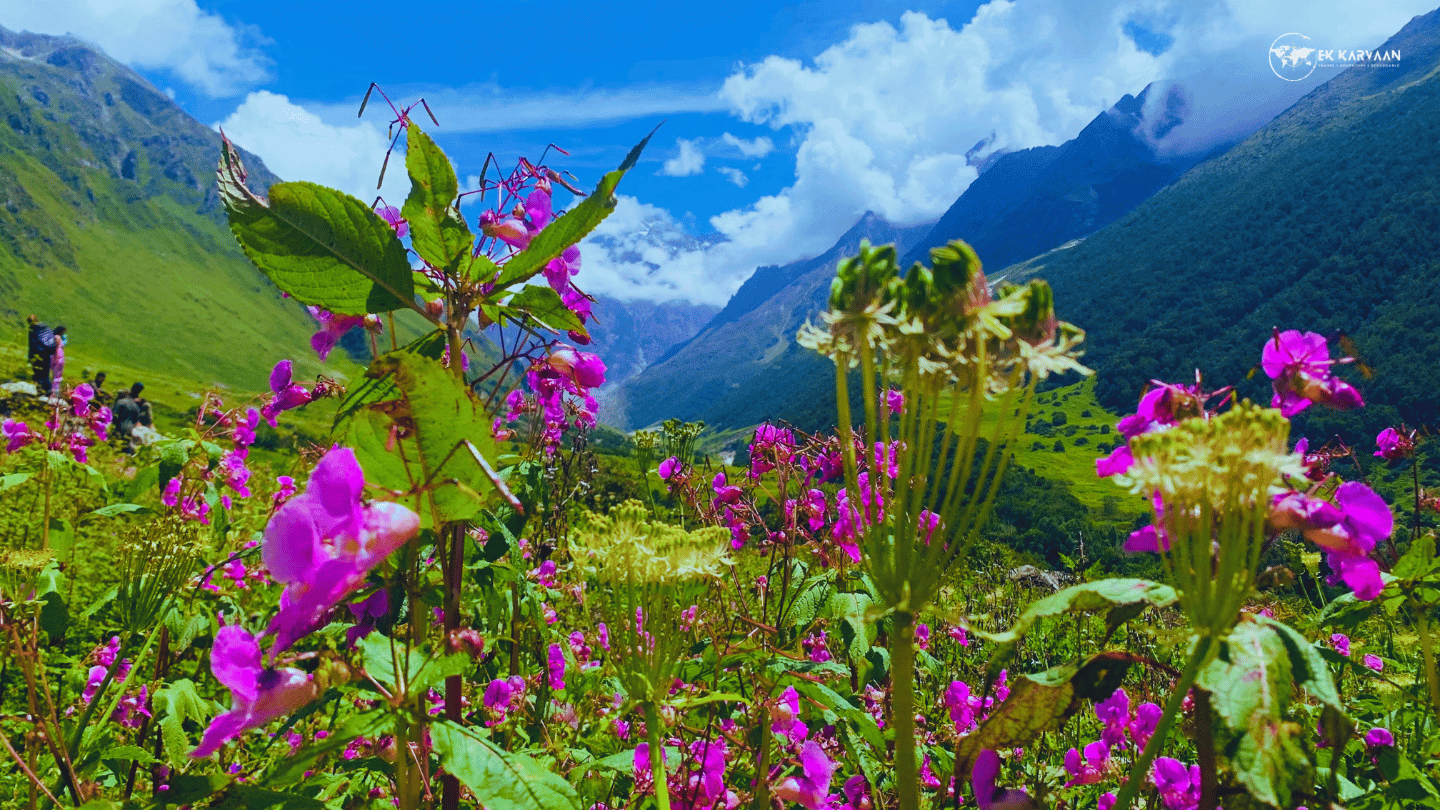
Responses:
[16,434]
[586,370]
[1153,537]
[332,328]
[1108,799]
[244,434]
[1374,662]
[811,787]
[1341,643]
[391,215]
[1091,768]
[1178,786]
[669,467]
[555,662]
[1142,728]
[323,543]
[1114,712]
[959,702]
[706,789]
[724,494]
[922,636]
[1120,460]
[1300,366]
[894,401]
[785,714]
[258,695]
[80,399]
[284,393]
[1393,444]
[988,795]
[1379,738]
[1348,530]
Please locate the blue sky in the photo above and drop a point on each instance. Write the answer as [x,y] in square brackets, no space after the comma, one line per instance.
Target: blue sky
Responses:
[784,121]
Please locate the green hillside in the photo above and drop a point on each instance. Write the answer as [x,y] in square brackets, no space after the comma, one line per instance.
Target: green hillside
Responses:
[109,223]
[1328,219]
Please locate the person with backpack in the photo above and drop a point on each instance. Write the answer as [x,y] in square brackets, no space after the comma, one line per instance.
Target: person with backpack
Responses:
[41,351]
[57,360]
[128,412]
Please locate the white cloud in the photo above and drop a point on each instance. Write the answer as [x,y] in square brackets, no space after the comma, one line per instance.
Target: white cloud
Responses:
[754,148]
[217,57]
[491,108]
[884,118]
[734,175]
[690,160]
[296,145]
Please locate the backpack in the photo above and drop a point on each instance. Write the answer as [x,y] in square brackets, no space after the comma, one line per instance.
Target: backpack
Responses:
[42,339]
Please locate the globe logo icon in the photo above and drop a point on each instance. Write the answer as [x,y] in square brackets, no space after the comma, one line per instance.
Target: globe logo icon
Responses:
[1292,57]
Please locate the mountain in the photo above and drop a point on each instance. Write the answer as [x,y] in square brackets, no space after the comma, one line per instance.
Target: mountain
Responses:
[1327,219]
[745,362]
[744,367]
[110,223]
[1029,201]
[630,335]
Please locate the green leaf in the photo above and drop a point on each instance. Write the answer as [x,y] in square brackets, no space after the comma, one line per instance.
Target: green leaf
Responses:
[451,434]
[1418,560]
[322,246]
[437,232]
[806,605]
[175,703]
[114,509]
[292,769]
[1250,686]
[13,480]
[500,780]
[62,538]
[252,797]
[1105,594]
[173,455]
[99,604]
[379,655]
[854,632]
[54,615]
[1308,664]
[546,306]
[570,228]
[130,752]
[435,670]
[381,388]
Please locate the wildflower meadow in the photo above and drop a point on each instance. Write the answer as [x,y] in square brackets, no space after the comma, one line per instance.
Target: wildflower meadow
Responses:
[449,597]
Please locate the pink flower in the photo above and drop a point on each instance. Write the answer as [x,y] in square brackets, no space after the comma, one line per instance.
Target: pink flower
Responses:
[1119,461]
[1348,530]
[1392,444]
[987,794]
[1089,770]
[1374,662]
[1300,366]
[322,543]
[811,787]
[724,494]
[1341,643]
[894,401]
[785,714]
[258,695]
[16,434]
[556,665]
[391,215]
[1379,738]
[1178,786]
[284,393]
[669,467]
[922,636]
[332,328]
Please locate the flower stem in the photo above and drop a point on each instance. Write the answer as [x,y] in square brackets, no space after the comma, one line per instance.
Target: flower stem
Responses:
[1427,651]
[1205,752]
[1131,788]
[657,756]
[902,710]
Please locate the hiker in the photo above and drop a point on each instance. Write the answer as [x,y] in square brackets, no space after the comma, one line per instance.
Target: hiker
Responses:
[102,397]
[42,351]
[57,361]
[128,412]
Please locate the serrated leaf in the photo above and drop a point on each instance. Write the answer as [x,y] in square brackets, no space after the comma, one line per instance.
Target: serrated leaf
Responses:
[1105,594]
[1036,703]
[380,656]
[1250,686]
[500,780]
[569,228]
[381,388]
[62,538]
[806,605]
[437,233]
[175,703]
[1308,664]
[438,669]
[115,509]
[451,434]
[546,306]
[322,246]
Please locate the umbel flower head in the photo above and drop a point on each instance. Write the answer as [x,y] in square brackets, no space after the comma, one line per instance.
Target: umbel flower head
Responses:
[1242,454]
[624,546]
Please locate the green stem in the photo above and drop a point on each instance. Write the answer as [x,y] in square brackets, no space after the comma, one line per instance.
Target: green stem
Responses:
[902,711]
[1205,752]
[657,756]
[1427,650]
[1131,788]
